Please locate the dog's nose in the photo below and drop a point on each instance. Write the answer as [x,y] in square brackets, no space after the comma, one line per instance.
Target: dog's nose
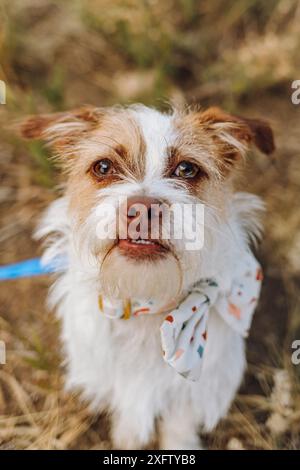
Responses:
[142,213]
[142,204]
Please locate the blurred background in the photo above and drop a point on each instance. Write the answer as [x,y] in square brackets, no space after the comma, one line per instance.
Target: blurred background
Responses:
[242,56]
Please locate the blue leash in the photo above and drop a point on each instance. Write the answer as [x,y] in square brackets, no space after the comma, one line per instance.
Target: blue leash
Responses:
[28,268]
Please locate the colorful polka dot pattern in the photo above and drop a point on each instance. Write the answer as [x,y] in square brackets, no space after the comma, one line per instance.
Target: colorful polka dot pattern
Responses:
[184,329]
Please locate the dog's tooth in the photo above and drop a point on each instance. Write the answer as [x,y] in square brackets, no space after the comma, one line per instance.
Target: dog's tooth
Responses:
[142,241]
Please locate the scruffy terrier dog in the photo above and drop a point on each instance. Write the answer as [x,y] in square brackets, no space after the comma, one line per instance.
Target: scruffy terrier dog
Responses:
[153,329]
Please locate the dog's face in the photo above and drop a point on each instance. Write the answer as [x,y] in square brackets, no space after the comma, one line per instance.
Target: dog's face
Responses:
[142,163]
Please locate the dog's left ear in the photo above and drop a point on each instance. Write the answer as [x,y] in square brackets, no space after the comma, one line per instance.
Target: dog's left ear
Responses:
[236,133]
[60,129]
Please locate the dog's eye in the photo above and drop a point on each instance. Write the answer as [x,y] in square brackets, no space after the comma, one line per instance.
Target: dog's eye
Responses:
[103,167]
[186,169]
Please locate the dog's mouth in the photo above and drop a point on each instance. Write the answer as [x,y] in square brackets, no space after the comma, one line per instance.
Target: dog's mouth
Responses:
[142,248]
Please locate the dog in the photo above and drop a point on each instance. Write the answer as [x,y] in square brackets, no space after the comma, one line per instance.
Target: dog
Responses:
[147,369]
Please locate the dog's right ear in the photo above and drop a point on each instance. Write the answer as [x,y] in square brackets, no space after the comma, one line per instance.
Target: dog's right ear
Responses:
[60,129]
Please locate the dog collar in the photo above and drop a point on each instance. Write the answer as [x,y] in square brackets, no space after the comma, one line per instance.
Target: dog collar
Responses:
[184,330]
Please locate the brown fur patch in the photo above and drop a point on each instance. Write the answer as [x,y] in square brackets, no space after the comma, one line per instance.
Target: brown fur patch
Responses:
[262,134]
[194,185]
[86,135]
[246,130]
[61,128]
[34,126]
[118,139]
[195,144]
[224,137]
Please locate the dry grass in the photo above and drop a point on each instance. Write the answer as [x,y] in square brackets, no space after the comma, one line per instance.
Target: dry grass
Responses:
[242,55]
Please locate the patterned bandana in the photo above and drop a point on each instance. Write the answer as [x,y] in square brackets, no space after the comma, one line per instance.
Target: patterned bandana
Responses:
[184,329]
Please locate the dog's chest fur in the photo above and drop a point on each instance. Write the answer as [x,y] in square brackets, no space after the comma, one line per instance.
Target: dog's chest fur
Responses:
[118,363]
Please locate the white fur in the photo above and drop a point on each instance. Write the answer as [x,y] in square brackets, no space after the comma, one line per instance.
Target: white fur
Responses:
[118,364]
